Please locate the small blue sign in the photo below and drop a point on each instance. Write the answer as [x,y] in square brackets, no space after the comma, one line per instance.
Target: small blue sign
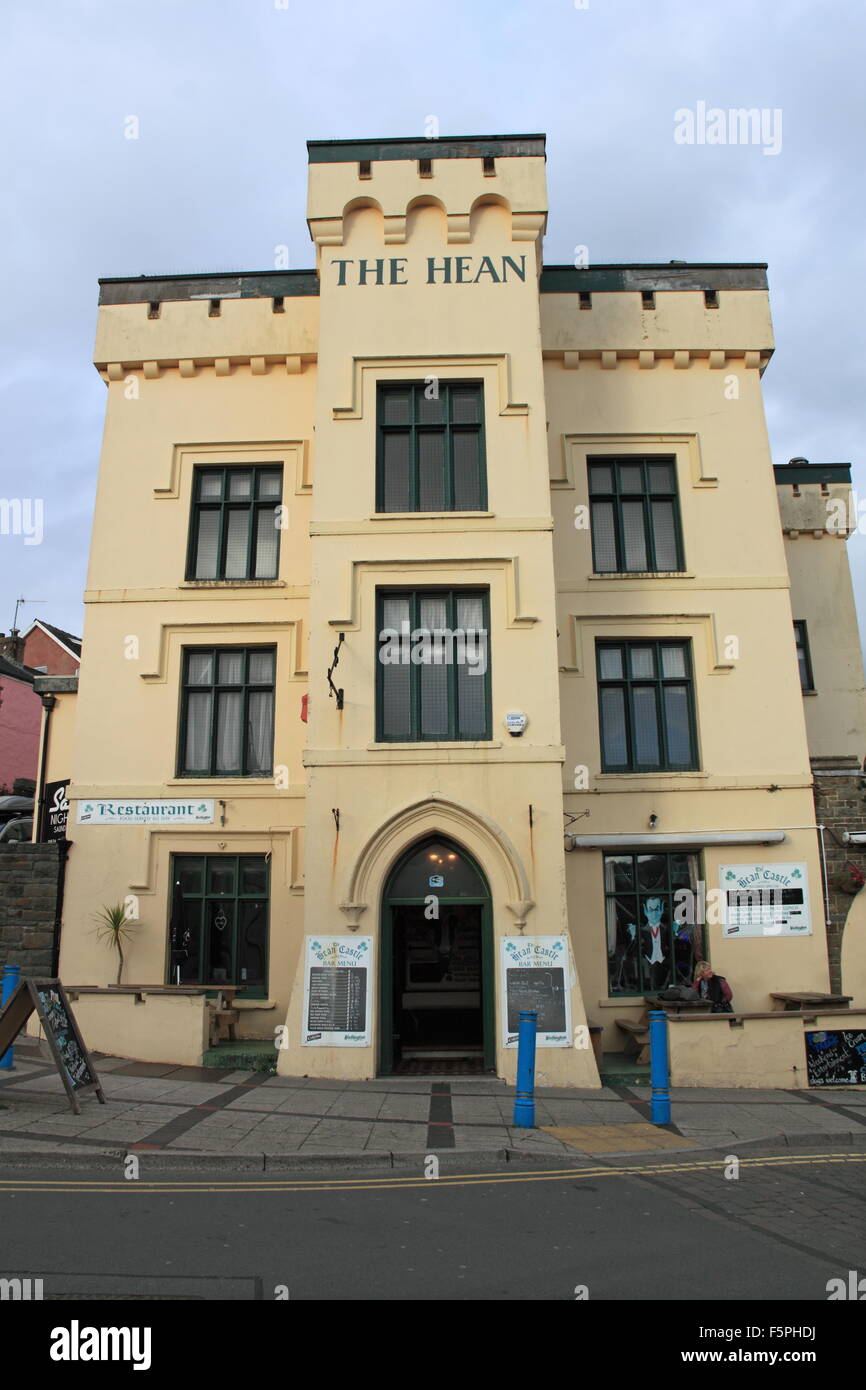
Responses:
[436,881]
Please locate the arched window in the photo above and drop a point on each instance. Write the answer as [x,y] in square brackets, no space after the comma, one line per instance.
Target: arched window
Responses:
[437,866]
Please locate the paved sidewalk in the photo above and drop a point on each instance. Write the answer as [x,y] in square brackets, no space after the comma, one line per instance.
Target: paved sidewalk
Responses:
[253,1119]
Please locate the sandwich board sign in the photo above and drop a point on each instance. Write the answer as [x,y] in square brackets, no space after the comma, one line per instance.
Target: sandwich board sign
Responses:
[73,1061]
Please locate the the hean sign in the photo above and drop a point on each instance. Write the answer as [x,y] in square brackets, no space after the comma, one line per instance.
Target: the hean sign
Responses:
[446,270]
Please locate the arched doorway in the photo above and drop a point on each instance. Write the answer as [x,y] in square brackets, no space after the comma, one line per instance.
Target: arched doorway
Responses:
[436,988]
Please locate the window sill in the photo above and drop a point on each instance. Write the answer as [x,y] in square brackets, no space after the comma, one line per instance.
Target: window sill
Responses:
[808,692]
[653,772]
[431,744]
[643,574]
[425,516]
[195,779]
[232,584]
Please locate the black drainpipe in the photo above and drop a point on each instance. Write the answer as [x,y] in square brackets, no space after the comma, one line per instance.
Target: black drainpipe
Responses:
[48,703]
[63,847]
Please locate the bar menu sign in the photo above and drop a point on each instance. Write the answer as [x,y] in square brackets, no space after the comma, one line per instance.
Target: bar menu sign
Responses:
[765,900]
[535,976]
[337,991]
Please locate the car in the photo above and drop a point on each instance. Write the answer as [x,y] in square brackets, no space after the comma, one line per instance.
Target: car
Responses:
[21,828]
[11,807]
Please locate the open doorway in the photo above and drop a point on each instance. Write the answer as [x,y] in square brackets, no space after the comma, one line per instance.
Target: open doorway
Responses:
[437,975]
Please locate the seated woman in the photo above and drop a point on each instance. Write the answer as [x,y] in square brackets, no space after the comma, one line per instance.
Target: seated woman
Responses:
[714,987]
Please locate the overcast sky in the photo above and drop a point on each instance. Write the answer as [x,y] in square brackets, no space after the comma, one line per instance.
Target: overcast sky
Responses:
[227,91]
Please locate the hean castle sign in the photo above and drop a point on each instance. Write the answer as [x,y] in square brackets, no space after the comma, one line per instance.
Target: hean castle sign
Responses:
[444,270]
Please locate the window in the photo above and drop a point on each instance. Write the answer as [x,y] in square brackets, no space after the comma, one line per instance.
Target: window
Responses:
[488,164]
[431,447]
[647,299]
[804,660]
[653,937]
[433,671]
[227,712]
[635,516]
[646,707]
[425,168]
[234,528]
[218,926]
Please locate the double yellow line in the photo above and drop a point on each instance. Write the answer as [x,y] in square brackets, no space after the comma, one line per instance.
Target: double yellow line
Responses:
[377,1184]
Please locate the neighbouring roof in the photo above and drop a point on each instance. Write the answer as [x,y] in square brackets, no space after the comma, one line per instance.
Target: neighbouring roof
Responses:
[15,671]
[812,472]
[66,639]
[415,147]
[555,279]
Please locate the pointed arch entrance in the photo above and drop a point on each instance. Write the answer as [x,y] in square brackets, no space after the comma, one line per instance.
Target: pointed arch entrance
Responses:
[437,982]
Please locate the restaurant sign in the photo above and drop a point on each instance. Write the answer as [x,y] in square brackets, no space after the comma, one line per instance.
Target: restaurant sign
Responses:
[145,812]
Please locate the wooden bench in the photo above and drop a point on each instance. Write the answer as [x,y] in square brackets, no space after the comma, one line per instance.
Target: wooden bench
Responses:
[637,1039]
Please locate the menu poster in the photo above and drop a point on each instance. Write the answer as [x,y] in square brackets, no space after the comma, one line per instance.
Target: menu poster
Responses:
[534,976]
[337,991]
[765,900]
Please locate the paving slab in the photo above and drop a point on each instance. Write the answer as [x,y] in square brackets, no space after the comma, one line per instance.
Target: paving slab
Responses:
[637,1137]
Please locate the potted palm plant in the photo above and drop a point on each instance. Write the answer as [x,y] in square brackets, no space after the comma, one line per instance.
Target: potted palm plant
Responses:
[113,925]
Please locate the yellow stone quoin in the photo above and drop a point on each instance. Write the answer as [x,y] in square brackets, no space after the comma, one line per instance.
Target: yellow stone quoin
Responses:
[638,382]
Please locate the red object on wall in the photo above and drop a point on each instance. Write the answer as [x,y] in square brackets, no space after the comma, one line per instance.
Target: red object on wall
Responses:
[305,705]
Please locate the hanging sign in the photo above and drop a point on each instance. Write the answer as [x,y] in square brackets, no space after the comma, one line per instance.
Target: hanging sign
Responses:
[55,810]
[534,977]
[146,812]
[765,900]
[337,991]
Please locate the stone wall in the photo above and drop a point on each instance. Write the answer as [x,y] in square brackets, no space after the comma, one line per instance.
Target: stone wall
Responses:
[28,891]
[840,804]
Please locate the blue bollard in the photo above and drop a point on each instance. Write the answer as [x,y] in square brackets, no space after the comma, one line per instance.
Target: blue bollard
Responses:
[660,1105]
[524,1097]
[11,976]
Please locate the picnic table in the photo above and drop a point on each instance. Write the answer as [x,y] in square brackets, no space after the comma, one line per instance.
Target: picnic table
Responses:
[796,1002]
[677,1006]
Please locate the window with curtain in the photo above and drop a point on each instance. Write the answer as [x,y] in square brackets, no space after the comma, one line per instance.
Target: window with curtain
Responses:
[653,936]
[218,923]
[227,712]
[634,515]
[431,447]
[234,527]
[646,706]
[433,668]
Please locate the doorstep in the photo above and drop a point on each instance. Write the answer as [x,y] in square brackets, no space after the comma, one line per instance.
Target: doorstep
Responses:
[254,1054]
[618,1069]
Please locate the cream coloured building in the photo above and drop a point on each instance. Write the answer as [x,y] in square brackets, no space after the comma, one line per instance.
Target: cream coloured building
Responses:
[439,654]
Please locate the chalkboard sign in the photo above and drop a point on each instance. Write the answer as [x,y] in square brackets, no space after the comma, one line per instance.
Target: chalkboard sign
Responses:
[48,999]
[538,989]
[337,999]
[836,1059]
